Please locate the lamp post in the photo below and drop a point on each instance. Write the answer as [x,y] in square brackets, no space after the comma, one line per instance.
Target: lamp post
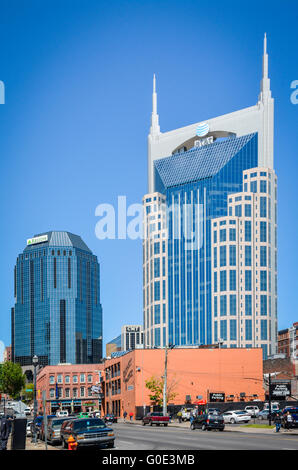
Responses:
[35,363]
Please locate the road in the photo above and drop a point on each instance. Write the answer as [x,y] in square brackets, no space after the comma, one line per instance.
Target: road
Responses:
[135,437]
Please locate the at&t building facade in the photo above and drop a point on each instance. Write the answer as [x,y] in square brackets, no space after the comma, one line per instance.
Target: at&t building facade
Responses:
[209,250]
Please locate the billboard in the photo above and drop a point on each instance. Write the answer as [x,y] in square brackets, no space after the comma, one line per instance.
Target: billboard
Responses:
[280,390]
[215,396]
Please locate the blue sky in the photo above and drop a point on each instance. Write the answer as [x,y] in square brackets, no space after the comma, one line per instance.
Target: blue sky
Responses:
[73,130]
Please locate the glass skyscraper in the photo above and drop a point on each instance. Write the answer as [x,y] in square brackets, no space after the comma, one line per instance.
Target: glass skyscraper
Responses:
[57,314]
[192,171]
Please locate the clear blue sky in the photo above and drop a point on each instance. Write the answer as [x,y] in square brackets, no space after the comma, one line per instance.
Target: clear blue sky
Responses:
[73,131]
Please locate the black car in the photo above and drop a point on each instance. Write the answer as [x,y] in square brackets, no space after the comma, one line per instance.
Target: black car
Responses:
[90,432]
[208,421]
[110,418]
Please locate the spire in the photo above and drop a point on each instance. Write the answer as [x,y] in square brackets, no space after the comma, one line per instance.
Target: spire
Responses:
[265,82]
[155,129]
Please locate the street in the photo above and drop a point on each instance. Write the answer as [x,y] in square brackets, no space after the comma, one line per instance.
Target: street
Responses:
[135,437]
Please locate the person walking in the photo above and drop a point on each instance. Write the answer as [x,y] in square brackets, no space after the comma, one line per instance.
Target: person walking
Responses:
[277,421]
[5,427]
[131,415]
[124,415]
[289,421]
[179,416]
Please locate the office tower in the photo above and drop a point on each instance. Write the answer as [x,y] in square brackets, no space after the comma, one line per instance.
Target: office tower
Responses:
[193,171]
[57,314]
[244,265]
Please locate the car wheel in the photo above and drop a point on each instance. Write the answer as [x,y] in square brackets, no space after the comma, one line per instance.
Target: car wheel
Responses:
[143,424]
[150,423]
[65,445]
[192,427]
[221,429]
[157,424]
[232,421]
[204,427]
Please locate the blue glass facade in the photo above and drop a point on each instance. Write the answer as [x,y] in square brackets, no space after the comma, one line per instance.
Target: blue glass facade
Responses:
[201,178]
[57,313]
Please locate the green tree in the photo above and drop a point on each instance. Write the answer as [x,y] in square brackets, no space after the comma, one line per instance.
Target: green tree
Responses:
[28,392]
[155,385]
[12,379]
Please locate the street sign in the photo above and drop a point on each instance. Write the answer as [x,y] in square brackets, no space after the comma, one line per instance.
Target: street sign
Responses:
[214,396]
[280,390]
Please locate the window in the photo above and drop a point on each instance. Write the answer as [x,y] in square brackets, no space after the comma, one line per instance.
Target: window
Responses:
[156,290]
[247,255]
[59,378]
[215,331]
[263,256]
[157,337]
[223,235]
[253,186]
[82,391]
[223,305]
[215,257]
[89,378]
[223,280]
[263,299]
[232,255]
[263,278]
[223,329]
[263,231]
[238,211]
[233,304]
[75,379]
[248,307]
[156,267]
[232,234]
[215,306]
[156,248]
[214,236]
[52,379]
[223,256]
[232,279]
[248,330]
[67,393]
[233,330]
[215,281]
[75,392]
[89,392]
[263,206]
[247,230]
[264,330]
[247,210]
[82,378]
[247,280]
[157,314]
[263,186]
[52,393]
[67,379]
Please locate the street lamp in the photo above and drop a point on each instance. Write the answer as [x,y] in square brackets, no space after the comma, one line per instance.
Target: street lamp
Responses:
[35,363]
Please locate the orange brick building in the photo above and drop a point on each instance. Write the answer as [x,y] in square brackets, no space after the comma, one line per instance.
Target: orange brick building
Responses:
[192,373]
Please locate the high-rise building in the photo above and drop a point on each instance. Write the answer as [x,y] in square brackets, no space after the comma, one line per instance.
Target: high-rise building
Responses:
[131,337]
[192,172]
[57,314]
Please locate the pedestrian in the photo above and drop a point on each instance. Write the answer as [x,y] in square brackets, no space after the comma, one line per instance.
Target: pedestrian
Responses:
[289,420]
[179,416]
[5,427]
[124,415]
[277,421]
[131,415]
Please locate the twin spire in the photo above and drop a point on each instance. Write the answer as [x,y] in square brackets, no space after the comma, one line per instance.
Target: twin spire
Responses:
[264,94]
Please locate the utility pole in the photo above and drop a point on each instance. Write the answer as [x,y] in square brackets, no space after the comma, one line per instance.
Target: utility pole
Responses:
[269,399]
[164,410]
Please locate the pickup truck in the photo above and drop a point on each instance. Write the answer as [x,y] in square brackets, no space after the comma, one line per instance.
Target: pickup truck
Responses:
[155,418]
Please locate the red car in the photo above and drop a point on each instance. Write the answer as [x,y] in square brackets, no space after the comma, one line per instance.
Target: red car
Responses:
[155,418]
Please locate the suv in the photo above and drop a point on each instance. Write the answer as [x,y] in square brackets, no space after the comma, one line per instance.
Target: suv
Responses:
[54,428]
[90,432]
[208,421]
[252,410]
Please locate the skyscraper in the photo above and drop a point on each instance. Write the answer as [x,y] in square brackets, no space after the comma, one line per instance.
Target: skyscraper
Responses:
[192,171]
[57,314]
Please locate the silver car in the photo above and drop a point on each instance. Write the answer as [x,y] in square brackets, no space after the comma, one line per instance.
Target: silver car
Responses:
[236,416]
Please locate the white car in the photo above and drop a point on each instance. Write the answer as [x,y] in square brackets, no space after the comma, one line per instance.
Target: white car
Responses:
[27,411]
[252,410]
[62,414]
[236,416]
[29,428]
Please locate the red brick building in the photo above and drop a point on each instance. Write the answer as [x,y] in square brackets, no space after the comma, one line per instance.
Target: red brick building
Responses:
[69,387]
[287,341]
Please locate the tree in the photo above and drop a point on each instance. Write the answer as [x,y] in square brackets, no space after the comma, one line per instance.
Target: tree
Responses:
[155,385]
[28,392]
[12,379]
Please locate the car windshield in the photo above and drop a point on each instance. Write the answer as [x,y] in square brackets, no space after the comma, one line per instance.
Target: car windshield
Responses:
[156,414]
[57,422]
[88,424]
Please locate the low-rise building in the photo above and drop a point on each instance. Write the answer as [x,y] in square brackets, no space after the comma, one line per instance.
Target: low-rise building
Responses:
[287,341]
[69,387]
[192,374]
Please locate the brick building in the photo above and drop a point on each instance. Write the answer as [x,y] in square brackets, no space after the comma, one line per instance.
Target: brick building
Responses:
[69,387]
[287,341]
[192,373]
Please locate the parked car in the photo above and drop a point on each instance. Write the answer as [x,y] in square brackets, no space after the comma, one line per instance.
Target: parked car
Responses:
[155,418]
[252,410]
[236,416]
[274,406]
[54,427]
[62,414]
[264,414]
[110,418]
[208,421]
[214,410]
[294,412]
[91,432]
[186,412]
[83,414]
[39,425]
[64,430]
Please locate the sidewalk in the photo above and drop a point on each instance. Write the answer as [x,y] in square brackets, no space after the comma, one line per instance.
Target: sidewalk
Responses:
[40,445]
[228,427]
